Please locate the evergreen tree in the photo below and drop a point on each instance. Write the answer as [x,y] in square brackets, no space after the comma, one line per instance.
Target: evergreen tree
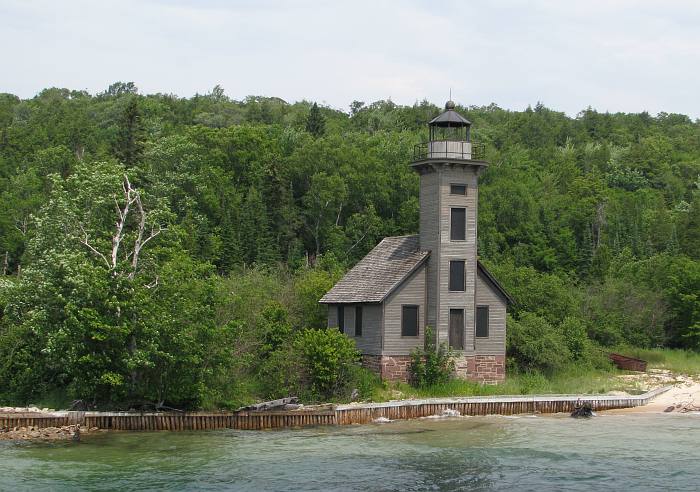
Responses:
[129,145]
[315,122]
[256,239]
[232,254]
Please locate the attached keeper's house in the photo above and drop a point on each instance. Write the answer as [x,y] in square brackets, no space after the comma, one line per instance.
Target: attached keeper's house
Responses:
[431,279]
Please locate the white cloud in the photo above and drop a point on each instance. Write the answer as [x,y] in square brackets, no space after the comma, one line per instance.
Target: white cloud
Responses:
[613,55]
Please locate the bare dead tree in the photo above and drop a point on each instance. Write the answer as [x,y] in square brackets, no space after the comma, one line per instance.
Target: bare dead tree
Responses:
[340,211]
[599,223]
[22,225]
[130,197]
[140,241]
[85,240]
[132,206]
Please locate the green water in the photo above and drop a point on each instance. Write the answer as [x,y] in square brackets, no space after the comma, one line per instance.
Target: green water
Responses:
[610,452]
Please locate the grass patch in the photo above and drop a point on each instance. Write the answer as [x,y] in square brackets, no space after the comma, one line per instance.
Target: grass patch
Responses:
[571,380]
[675,360]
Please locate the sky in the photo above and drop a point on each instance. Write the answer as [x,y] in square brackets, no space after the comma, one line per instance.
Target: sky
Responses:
[611,55]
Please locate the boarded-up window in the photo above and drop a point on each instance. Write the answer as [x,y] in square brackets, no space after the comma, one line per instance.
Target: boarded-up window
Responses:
[457,275]
[482,321]
[358,321]
[341,318]
[409,321]
[458,189]
[458,224]
[457,329]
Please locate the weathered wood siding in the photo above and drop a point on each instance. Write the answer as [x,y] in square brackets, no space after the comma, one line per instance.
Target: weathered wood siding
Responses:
[332,316]
[430,237]
[487,295]
[457,250]
[411,291]
[371,340]
[435,204]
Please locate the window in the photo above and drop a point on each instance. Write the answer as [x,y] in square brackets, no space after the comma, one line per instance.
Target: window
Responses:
[458,224]
[458,189]
[358,321]
[457,329]
[457,275]
[409,321]
[482,321]
[341,318]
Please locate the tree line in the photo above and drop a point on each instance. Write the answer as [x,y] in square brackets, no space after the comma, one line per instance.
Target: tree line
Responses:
[171,250]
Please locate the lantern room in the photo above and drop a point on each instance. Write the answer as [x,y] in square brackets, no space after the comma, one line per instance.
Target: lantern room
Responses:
[450,137]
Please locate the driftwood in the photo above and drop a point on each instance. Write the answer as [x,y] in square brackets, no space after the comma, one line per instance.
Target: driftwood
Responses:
[683,407]
[582,410]
[271,405]
[78,405]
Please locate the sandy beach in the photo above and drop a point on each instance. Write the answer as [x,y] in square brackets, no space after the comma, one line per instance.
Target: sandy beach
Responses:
[682,397]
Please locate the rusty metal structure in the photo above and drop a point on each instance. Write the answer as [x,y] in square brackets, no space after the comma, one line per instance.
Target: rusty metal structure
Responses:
[628,363]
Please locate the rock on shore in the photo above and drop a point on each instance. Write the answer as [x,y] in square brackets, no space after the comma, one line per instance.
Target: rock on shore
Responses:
[24,410]
[44,434]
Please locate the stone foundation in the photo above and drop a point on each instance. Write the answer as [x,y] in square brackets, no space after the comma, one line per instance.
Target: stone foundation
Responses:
[489,369]
[388,367]
[373,363]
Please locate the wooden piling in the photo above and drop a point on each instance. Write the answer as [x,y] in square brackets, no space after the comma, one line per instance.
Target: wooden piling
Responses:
[338,415]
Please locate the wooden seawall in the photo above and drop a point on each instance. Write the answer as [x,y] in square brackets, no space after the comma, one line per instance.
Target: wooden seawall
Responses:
[338,415]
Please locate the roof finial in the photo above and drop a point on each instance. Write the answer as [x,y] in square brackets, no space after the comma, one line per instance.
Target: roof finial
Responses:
[450,104]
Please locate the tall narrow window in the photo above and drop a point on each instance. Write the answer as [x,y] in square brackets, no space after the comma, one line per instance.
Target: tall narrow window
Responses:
[482,321]
[341,318]
[409,321]
[358,321]
[457,275]
[457,329]
[458,224]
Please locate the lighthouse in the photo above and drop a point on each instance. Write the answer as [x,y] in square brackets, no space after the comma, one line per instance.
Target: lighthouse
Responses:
[434,278]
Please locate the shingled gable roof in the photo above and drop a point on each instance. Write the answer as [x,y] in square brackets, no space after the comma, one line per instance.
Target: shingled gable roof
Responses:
[379,273]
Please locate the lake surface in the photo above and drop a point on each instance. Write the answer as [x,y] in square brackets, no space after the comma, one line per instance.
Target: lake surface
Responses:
[609,452]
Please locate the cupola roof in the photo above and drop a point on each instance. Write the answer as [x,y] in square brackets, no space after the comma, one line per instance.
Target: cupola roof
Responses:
[450,117]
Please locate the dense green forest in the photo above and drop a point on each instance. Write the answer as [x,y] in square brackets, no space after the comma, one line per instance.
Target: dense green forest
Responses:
[166,250]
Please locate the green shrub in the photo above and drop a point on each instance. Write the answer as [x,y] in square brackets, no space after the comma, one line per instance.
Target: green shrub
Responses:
[364,381]
[274,327]
[317,365]
[309,286]
[431,365]
[327,357]
[535,344]
[625,311]
[532,382]
[282,373]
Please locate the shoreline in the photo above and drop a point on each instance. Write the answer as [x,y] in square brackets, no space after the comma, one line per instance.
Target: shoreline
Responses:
[23,425]
[47,434]
[682,397]
[665,393]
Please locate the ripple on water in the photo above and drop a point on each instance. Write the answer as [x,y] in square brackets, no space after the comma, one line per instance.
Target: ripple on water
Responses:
[478,453]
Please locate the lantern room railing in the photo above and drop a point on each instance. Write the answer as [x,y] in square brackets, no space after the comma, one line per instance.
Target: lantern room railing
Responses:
[449,149]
